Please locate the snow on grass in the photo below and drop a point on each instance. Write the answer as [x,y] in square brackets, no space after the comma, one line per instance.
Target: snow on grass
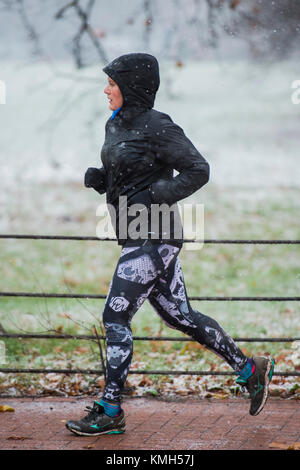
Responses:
[238,113]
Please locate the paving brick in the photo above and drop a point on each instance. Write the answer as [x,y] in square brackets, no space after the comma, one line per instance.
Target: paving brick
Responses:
[286,436]
[227,444]
[152,424]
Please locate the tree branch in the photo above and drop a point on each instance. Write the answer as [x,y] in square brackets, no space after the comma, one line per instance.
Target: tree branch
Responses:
[84,16]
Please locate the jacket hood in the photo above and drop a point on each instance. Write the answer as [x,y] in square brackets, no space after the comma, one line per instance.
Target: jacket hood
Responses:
[137,76]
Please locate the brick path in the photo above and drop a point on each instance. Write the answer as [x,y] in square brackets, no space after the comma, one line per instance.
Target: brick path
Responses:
[152,424]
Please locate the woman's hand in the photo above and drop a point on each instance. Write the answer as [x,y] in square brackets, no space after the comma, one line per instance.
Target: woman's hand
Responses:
[93,178]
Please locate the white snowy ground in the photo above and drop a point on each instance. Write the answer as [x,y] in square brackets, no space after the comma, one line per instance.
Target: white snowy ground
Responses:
[239,114]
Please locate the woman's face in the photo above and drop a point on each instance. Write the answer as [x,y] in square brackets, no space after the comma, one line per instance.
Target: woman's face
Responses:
[114,95]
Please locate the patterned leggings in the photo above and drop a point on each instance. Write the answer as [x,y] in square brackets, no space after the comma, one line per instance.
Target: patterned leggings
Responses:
[153,272]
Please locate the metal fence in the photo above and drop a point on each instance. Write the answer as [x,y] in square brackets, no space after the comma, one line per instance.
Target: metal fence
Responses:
[98,338]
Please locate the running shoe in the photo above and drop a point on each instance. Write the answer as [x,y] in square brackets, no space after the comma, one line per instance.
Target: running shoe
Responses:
[257,382]
[96,422]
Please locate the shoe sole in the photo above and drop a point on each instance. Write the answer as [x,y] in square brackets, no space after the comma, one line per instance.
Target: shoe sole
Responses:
[268,378]
[112,431]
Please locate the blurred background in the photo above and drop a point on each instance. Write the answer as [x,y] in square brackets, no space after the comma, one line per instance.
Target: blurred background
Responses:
[227,71]
[230,78]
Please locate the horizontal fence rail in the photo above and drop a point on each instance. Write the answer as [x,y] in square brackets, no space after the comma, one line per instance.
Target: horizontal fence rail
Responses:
[3,334]
[143,372]
[205,241]
[138,338]
[103,296]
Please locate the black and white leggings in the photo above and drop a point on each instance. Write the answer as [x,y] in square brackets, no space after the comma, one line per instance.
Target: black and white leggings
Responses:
[153,272]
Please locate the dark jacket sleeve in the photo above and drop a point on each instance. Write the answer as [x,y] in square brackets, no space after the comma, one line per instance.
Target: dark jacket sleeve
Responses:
[173,149]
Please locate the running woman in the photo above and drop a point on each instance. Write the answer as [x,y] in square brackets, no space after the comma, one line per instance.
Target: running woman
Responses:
[142,147]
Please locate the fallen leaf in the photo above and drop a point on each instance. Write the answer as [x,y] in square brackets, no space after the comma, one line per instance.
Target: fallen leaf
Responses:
[89,446]
[70,282]
[220,395]
[191,346]
[280,445]
[17,438]
[4,408]
[294,446]
[80,349]
[101,383]
[145,381]
[65,315]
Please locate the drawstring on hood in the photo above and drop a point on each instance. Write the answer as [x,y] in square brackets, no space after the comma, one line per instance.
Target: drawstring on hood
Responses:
[115,113]
[137,76]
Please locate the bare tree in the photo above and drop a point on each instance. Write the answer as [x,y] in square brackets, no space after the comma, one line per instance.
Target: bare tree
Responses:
[84,28]
[173,28]
[272,28]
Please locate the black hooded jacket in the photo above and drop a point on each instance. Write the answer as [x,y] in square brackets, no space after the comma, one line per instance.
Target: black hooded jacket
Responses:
[142,148]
